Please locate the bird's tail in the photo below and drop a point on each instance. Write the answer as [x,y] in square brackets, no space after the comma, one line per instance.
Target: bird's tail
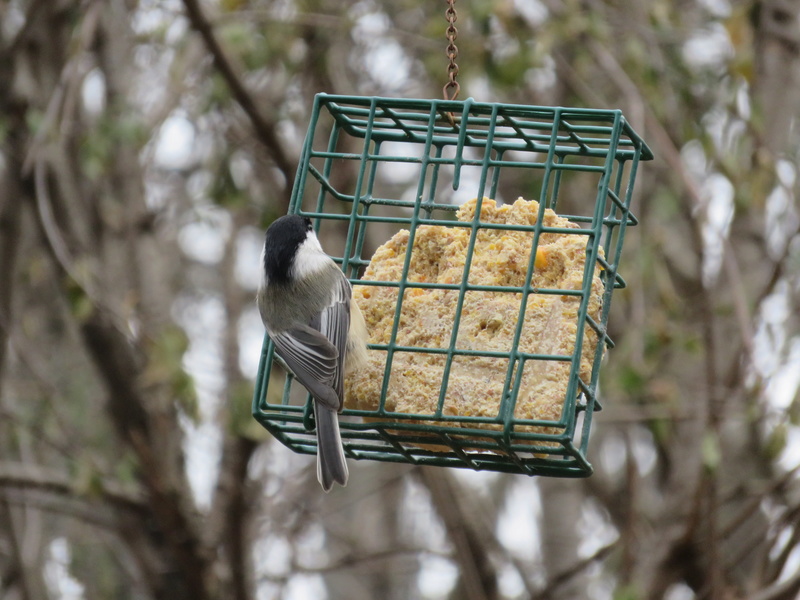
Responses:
[331,464]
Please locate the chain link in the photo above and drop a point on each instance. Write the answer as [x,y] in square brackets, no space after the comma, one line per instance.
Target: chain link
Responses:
[451,88]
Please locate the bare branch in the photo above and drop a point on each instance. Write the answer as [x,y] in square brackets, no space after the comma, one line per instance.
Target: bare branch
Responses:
[264,130]
[119,365]
[22,34]
[55,239]
[340,23]
[784,590]
[228,520]
[10,216]
[564,576]
[37,477]
[360,560]
[14,547]
[479,581]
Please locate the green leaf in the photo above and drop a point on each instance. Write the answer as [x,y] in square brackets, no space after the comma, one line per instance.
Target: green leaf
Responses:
[224,190]
[626,592]
[80,305]
[240,401]
[183,389]
[662,430]
[86,479]
[711,451]
[776,441]
[632,380]
[165,368]
[126,469]
[794,409]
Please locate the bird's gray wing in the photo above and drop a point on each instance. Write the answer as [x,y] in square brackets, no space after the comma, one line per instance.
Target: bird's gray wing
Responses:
[313,359]
[334,323]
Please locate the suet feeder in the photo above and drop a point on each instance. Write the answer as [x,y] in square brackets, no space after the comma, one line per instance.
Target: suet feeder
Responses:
[371,166]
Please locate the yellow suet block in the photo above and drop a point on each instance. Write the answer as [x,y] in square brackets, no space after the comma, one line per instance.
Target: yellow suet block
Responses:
[488,319]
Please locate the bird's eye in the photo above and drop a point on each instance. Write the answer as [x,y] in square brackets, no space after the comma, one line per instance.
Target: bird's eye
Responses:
[307,223]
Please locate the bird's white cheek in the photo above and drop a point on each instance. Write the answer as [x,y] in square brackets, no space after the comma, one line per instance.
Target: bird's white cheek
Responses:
[310,259]
[263,282]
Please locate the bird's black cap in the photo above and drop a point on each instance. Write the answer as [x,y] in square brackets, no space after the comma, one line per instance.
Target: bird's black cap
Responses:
[283,239]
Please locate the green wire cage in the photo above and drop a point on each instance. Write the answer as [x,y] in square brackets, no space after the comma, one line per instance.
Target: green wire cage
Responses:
[371,166]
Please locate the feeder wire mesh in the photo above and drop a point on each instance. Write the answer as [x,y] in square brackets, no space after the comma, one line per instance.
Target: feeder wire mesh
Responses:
[394,145]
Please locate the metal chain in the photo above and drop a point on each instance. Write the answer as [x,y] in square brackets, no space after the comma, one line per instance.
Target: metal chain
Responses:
[451,88]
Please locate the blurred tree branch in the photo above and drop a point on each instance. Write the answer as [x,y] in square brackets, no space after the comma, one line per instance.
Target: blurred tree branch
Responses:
[563,577]
[99,291]
[263,128]
[478,578]
[18,475]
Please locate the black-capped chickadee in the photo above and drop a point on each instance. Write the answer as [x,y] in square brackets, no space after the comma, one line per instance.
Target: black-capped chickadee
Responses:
[306,305]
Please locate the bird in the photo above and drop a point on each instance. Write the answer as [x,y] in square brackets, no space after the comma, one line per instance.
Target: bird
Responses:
[306,305]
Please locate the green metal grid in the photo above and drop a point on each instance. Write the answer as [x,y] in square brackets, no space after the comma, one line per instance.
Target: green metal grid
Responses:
[411,157]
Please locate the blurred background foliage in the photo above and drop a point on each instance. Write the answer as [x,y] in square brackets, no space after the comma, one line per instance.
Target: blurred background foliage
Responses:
[145,145]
